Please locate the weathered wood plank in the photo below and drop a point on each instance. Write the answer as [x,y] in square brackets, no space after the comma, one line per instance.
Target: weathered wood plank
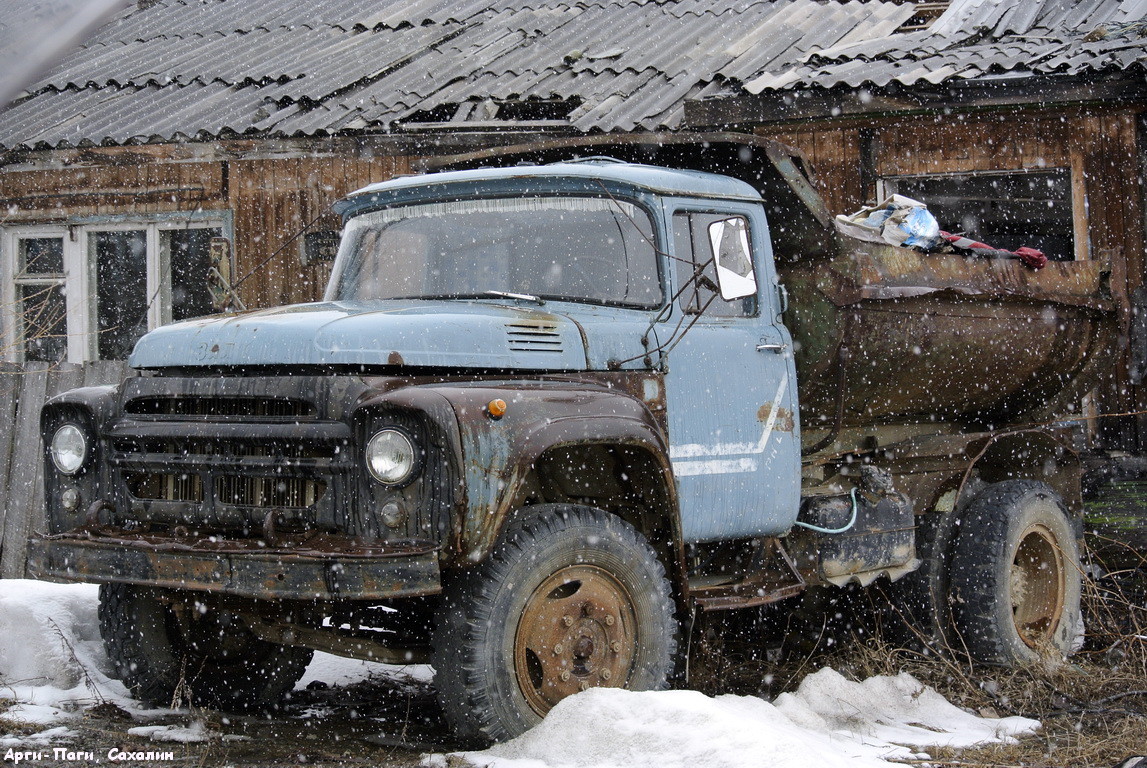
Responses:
[25,483]
[10,379]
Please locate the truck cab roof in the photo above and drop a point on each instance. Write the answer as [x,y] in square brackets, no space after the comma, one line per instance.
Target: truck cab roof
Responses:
[665,181]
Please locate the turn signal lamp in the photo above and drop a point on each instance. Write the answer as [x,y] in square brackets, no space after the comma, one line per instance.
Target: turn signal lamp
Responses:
[496,408]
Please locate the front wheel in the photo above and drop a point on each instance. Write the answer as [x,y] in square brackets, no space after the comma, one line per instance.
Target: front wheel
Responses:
[1015,575]
[570,598]
[210,655]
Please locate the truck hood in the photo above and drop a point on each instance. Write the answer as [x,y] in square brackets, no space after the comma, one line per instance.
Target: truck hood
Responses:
[454,334]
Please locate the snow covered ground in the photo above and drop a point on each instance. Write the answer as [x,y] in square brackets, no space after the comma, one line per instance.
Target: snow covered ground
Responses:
[52,666]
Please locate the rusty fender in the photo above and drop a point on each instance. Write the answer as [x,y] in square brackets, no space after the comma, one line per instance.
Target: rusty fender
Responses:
[1033,454]
[497,455]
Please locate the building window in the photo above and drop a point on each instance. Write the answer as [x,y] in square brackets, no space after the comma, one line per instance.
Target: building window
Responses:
[39,297]
[1005,209]
[89,290]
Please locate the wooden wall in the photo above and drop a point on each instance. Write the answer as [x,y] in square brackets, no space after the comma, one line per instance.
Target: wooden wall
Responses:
[273,199]
[270,200]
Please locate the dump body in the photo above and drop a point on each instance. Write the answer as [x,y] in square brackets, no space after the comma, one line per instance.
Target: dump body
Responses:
[890,334]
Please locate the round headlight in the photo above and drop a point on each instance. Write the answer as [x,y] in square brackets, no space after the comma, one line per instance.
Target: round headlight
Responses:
[69,449]
[390,457]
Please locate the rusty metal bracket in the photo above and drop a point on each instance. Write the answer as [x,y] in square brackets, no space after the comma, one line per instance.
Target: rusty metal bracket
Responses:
[762,585]
[330,641]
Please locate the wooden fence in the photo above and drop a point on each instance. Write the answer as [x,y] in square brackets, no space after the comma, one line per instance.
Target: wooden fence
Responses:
[23,391]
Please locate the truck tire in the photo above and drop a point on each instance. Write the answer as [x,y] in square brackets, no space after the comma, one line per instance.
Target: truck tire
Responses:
[218,663]
[570,598]
[1015,578]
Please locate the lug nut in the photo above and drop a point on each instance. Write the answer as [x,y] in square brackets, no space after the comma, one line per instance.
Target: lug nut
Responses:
[567,620]
[582,685]
[565,675]
[606,674]
[609,621]
[558,649]
[615,646]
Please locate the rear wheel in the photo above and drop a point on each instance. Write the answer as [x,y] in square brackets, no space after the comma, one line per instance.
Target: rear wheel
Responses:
[570,598]
[1015,575]
[210,655]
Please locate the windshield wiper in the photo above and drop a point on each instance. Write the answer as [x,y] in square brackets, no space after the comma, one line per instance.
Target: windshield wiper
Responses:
[520,296]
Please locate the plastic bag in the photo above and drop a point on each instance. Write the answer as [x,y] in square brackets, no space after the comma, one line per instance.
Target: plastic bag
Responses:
[898,220]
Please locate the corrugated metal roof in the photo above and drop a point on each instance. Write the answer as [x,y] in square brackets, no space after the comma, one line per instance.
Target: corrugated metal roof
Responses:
[211,68]
[982,38]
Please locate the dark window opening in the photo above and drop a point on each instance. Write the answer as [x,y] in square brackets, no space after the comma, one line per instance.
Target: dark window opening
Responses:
[44,320]
[1006,210]
[121,290]
[40,296]
[189,251]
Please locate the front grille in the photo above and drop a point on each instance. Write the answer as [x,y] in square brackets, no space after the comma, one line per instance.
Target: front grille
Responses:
[279,449]
[234,490]
[165,486]
[221,407]
[262,492]
[220,454]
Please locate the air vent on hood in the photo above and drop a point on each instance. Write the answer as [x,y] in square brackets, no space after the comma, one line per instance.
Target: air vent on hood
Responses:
[534,336]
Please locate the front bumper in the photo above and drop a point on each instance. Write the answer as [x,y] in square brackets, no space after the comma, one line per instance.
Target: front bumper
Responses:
[316,567]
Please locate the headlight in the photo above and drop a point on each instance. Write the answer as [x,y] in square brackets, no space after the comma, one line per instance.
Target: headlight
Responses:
[69,449]
[390,457]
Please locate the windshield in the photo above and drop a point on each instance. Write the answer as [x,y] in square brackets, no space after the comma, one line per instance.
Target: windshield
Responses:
[597,250]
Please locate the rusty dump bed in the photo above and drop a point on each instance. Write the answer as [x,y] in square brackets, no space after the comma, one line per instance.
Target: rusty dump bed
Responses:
[888,334]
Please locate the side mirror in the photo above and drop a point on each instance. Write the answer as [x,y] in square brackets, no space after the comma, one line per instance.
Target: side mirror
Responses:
[729,239]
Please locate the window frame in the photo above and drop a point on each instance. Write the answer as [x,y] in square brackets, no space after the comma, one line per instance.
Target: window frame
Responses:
[79,276]
[887,185]
[686,299]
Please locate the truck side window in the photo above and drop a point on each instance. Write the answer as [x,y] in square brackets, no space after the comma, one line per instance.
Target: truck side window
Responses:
[692,249]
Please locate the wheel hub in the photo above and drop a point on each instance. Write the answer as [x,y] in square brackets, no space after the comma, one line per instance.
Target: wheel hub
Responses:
[576,632]
[1037,582]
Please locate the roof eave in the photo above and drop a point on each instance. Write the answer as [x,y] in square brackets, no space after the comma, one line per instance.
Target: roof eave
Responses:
[1016,91]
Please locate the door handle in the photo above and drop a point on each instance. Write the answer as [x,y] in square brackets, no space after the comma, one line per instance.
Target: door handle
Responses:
[778,348]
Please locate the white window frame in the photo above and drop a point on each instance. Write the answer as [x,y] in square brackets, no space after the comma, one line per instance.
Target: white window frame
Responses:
[80,273]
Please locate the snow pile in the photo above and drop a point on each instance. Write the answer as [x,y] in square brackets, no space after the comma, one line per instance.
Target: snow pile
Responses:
[52,660]
[195,732]
[829,722]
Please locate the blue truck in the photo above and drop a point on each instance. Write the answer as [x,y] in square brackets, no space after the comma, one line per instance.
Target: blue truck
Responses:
[547,415]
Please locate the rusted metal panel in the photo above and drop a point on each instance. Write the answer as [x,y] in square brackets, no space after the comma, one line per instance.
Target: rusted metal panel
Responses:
[500,454]
[321,567]
[888,333]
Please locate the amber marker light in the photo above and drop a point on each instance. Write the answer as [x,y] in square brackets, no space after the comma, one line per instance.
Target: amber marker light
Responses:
[496,408]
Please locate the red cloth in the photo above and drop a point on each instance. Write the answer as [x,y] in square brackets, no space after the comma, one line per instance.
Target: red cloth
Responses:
[1029,256]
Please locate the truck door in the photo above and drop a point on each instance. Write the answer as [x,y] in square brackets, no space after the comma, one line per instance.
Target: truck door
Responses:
[731,380]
